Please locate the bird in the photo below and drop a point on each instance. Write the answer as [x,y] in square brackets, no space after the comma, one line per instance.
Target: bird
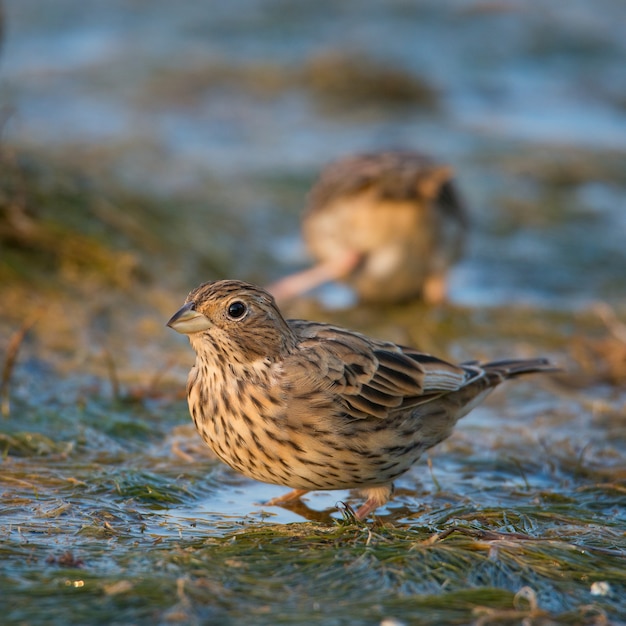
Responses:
[313,406]
[390,224]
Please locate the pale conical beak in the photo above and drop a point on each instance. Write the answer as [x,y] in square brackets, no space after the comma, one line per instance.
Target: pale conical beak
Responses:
[187,320]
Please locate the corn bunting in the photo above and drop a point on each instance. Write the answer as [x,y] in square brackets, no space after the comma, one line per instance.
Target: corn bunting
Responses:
[389,224]
[313,406]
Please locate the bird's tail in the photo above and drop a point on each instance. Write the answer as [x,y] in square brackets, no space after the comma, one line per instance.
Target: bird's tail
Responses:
[498,371]
[484,377]
[487,376]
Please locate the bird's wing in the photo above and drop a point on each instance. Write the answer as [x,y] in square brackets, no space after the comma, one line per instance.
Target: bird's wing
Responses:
[369,377]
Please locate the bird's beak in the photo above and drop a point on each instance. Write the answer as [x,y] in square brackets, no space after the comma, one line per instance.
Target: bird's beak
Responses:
[187,320]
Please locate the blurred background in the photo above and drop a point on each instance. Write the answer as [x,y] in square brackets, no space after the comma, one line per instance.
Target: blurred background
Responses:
[221,115]
[149,145]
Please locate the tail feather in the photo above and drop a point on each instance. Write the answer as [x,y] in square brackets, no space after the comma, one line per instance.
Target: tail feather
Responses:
[497,371]
[489,375]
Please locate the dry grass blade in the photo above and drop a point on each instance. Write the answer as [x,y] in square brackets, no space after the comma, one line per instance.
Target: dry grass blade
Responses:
[112,372]
[608,316]
[13,349]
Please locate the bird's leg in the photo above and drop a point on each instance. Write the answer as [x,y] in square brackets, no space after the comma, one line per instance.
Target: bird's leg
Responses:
[312,277]
[376,496]
[287,498]
[434,290]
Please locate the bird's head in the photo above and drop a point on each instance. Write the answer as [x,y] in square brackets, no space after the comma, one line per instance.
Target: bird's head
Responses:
[235,320]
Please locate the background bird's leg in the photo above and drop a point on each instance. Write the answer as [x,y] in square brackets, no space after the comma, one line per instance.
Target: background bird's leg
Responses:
[308,279]
[435,288]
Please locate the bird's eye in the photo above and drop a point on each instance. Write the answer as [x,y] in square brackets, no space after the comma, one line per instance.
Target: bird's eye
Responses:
[236,310]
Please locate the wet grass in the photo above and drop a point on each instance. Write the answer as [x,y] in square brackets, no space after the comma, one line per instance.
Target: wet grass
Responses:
[120,564]
[340,83]
[505,532]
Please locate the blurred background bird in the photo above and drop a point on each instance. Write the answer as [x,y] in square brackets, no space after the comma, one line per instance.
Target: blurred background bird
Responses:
[388,224]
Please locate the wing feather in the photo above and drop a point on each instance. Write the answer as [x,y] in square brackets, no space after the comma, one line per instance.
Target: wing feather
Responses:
[371,378]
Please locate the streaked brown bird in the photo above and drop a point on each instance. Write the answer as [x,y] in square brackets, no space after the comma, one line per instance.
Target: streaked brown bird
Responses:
[313,406]
[389,224]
